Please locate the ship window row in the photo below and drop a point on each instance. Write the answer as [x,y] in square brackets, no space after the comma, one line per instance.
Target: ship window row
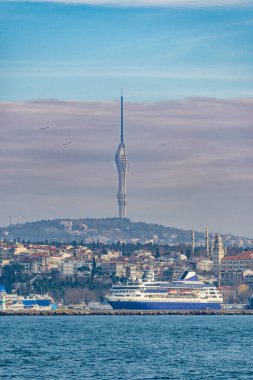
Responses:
[124,291]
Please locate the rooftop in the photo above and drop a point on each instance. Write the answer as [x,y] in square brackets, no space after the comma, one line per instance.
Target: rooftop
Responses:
[247,255]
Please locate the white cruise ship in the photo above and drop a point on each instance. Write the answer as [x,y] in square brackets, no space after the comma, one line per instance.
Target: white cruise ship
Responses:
[188,293]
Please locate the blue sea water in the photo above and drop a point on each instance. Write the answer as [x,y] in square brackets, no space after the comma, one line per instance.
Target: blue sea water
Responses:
[126,347]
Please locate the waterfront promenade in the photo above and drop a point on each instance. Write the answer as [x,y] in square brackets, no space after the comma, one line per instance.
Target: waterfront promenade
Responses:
[69,312]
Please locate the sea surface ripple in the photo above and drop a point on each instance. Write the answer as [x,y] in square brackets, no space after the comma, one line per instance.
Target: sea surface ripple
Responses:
[126,347]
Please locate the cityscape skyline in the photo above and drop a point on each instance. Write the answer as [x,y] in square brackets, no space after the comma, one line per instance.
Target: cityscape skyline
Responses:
[187,78]
[117,270]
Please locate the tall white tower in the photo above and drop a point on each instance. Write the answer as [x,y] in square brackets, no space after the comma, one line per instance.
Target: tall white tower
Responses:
[3,302]
[193,242]
[207,242]
[122,166]
[218,253]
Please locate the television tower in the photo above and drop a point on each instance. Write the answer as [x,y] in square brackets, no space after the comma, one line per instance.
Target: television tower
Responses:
[122,166]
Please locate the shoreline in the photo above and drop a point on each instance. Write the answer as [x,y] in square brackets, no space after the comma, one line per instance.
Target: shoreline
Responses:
[69,312]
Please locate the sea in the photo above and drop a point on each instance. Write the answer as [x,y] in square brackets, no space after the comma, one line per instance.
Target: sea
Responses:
[126,347]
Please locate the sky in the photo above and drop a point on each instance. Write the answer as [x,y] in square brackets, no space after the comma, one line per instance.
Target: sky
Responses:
[186,69]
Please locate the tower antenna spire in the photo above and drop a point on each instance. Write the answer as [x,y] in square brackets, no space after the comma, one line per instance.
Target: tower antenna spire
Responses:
[121,119]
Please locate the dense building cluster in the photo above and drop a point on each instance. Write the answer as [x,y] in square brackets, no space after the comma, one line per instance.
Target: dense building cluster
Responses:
[232,273]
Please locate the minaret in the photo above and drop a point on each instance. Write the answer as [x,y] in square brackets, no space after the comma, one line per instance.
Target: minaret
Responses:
[122,166]
[193,242]
[207,242]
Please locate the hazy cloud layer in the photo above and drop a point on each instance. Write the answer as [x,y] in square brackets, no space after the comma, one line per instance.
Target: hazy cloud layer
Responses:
[144,3]
[190,161]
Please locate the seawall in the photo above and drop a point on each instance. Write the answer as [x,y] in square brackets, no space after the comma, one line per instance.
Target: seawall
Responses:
[71,312]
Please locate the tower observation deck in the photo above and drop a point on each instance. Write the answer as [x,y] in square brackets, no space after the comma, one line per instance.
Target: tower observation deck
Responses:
[122,166]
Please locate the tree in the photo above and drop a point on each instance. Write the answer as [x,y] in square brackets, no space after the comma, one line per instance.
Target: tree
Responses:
[97,271]
[168,274]
[157,253]
[11,274]
[188,253]
[83,269]
[243,292]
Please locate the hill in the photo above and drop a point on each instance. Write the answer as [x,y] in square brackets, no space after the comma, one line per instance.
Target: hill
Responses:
[108,230]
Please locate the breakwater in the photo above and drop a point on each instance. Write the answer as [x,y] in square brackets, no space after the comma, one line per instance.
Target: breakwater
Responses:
[70,312]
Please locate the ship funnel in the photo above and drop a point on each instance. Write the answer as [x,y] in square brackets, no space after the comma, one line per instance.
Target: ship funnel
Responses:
[189,276]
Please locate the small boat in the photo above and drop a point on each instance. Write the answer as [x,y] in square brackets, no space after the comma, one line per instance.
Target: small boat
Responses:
[16,302]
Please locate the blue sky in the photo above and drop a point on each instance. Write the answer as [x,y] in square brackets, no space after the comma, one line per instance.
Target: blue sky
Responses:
[87,52]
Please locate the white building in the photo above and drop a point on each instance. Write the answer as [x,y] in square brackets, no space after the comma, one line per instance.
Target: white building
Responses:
[239,262]
[34,264]
[118,269]
[111,255]
[204,265]
[69,267]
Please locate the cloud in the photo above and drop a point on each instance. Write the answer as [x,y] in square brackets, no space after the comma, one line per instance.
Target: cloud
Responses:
[190,160]
[145,3]
[12,69]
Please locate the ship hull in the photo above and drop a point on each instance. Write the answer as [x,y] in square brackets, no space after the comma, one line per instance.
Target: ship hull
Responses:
[131,305]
